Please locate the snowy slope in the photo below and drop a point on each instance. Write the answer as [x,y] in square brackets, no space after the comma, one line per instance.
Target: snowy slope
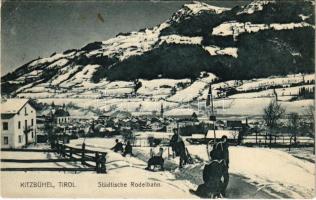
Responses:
[89,67]
[268,175]
[182,94]
[272,170]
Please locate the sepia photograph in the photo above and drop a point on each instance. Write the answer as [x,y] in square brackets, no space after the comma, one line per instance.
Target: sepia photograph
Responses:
[158,99]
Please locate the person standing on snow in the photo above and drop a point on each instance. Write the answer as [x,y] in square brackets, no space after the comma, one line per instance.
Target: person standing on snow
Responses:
[178,147]
[220,152]
[173,142]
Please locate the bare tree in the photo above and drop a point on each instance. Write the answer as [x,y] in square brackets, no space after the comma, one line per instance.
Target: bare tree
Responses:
[272,114]
[310,119]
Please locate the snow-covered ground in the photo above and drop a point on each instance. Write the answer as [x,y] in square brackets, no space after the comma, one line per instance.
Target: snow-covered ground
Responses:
[254,173]
[174,93]
[271,170]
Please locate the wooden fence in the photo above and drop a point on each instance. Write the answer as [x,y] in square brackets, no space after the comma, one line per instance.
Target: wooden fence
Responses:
[277,140]
[91,160]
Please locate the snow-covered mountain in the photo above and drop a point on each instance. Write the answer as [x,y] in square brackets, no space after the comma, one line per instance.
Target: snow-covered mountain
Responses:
[199,44]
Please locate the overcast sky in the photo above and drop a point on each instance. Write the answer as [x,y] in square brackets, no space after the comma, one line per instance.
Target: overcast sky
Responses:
[32,29]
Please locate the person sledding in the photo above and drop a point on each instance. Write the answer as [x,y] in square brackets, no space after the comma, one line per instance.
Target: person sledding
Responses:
[212,178]
[215,174]
[128,149]
[155,159]
[178,148]
[118,146]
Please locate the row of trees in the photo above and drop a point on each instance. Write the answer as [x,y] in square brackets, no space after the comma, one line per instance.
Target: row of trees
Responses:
[274,113]
[306,93]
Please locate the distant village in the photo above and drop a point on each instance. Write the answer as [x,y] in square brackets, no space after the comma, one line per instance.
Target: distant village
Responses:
[23,124]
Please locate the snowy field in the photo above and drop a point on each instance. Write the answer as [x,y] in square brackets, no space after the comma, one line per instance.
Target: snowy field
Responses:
[175,94]
[273,171]
[254,173]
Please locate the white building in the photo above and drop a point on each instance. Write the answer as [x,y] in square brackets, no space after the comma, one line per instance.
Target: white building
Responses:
[61,117]
[18,123]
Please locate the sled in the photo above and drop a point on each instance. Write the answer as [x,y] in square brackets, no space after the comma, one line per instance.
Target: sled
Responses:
[189,157]
[153,169]
[210,196]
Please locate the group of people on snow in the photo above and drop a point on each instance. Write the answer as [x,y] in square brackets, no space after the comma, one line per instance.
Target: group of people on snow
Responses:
[118,147]
[215,174]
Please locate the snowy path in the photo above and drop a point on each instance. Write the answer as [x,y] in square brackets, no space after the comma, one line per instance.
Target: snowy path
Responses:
[266,173]
[178,181]
[254,173]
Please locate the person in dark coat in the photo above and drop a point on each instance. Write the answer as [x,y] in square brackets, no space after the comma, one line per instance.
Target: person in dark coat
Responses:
[220,152]
[118,146]
[212,174]
[178,147]
[128,149]
[173,142]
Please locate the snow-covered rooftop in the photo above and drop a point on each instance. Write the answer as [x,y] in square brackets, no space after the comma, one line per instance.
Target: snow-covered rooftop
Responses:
[12,106]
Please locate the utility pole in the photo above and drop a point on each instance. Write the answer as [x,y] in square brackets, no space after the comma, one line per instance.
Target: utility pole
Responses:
[212,116]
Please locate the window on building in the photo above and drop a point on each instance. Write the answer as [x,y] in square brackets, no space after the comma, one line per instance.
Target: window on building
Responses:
[25,111]
[5,140]
[32,122]
[20,138]
[25,124]
[19,125]
[32,134]
[5,126]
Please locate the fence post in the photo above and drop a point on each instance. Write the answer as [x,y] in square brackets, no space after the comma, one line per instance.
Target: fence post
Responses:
[97,162]
[283,139]
[63,150]
[83,153]
[102,161]
[58,148]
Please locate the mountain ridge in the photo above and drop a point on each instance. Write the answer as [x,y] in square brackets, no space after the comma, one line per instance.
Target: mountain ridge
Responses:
[175,50]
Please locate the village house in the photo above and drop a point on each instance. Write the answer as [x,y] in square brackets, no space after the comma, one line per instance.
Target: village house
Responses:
[180,124]
[61,116]
[234,124]
[18,120]
[156,126]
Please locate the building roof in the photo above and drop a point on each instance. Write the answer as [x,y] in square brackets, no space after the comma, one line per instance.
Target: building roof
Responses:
[13,106]
[61,113]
